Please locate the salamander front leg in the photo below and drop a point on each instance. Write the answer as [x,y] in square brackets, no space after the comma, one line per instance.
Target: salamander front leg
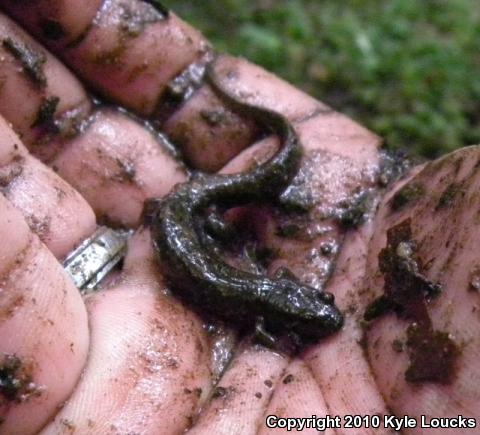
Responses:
[262,336]
[218,227]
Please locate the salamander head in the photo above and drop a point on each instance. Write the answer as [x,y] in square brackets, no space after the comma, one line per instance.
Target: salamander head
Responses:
[319,315]
[303,310]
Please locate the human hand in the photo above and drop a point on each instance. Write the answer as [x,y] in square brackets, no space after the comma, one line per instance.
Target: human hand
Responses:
[146,359]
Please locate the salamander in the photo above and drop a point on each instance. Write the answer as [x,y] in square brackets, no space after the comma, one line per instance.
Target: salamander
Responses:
[279,305]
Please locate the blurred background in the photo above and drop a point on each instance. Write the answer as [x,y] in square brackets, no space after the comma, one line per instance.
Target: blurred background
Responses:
[407,69]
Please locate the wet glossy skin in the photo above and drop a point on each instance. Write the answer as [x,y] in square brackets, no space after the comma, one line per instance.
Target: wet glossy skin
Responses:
[203,279]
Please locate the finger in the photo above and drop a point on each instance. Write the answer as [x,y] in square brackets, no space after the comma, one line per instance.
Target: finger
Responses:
[148,367]
[210,134]
[297,395]
[43,329]
[53,210]
[44,103]
[238,402]
[60,21]
[439,206]
[117,164]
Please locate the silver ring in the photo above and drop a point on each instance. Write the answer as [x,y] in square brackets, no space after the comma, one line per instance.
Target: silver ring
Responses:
[88,264]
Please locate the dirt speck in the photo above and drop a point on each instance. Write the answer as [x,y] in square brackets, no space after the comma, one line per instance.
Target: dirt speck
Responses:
[16,379]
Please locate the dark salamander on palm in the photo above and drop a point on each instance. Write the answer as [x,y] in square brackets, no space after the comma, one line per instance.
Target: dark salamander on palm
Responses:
[196,272]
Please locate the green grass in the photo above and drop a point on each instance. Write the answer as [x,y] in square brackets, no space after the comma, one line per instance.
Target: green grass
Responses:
[407,69]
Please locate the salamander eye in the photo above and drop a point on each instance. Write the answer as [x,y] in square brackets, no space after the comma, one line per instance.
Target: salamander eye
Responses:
[285,273]
[326,297]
